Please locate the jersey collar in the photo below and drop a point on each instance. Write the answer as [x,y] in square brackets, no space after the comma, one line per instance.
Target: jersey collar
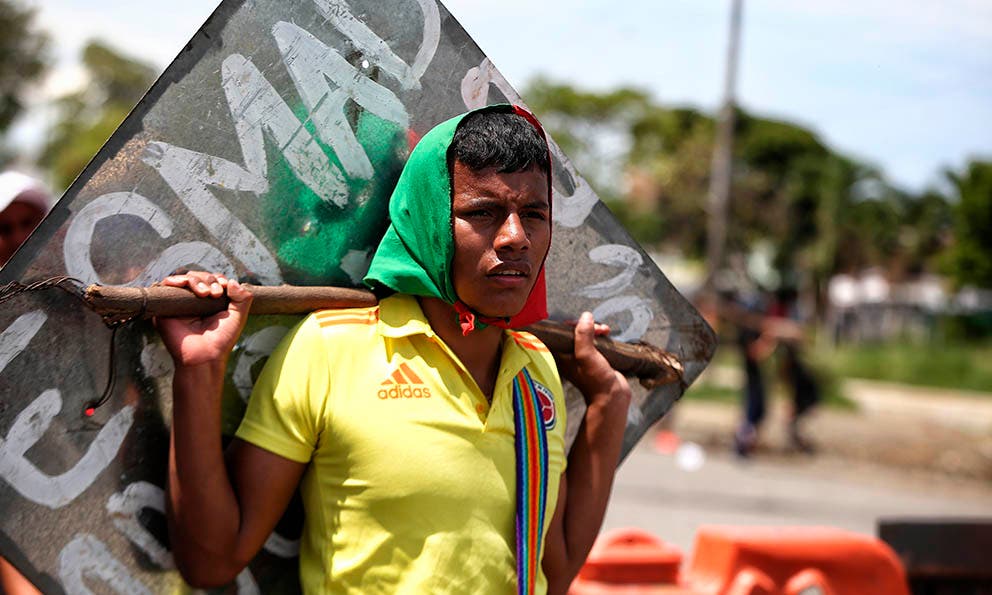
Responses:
[400,315]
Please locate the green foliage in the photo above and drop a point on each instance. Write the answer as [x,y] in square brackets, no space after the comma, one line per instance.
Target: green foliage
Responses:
[578,120]
[970,258]
[647,227]
[773,146]
[975,327]
[820,212]
[23,56]
[115,78]
[565,100]
[88,117]
[953,365]
[673,180]
[776,193]
[707,391]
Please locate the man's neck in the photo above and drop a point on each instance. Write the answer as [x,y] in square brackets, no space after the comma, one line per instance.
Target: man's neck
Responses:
[479,352]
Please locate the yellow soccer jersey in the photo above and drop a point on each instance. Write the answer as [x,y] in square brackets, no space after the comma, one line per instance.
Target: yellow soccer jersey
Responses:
[411,483]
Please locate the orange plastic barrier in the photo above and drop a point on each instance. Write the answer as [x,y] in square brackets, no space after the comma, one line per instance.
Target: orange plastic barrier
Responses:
[630,561]
[743,561]
[792,560]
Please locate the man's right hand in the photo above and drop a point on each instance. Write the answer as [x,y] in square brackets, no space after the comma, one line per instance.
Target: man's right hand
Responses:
[219,516]
[195,341]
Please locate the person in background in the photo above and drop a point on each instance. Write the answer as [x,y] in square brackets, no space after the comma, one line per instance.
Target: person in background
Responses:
[755,347]
[768,323]
[797,375]
[24,202]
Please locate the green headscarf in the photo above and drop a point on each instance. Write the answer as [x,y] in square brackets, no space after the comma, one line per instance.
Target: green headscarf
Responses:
[415,255]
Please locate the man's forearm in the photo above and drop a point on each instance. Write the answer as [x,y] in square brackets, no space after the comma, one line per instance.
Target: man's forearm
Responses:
[203,511]
[591,468]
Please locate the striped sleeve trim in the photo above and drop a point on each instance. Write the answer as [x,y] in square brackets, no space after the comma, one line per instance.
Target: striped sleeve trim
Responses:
[528,341]
[326,318]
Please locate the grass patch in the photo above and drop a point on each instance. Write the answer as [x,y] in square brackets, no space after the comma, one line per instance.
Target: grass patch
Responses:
[831,393]
[963,366]
[713,393]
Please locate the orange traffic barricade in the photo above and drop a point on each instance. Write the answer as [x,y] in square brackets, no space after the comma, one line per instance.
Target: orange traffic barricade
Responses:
[630,561]
[743,561]
[793,560]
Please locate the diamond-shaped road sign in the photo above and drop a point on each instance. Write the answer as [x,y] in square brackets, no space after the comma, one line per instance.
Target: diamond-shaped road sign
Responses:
[267,150]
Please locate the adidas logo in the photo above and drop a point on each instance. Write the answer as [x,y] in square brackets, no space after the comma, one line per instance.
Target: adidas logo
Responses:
[401,383]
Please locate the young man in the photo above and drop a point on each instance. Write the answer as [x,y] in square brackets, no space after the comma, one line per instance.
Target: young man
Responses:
[405,424]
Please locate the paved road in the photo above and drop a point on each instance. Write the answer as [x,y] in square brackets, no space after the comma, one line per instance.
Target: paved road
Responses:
[653,493]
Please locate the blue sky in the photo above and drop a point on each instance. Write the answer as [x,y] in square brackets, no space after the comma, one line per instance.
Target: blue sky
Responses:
[904,85]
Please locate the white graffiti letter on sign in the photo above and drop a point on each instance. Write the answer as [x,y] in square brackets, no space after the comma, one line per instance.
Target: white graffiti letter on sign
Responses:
[76,248]
[86,556]
[615,255]
[124,508]
[314,66]
[15,338]
[191,175]
[257,109]
[377,50]
[32,423]
[638,308]
[254,348]
[28,428]
[475,85]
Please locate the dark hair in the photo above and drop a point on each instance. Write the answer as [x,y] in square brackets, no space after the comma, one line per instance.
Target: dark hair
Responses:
[502,140]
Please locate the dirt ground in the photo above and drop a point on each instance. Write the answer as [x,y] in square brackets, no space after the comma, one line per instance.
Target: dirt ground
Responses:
[941,435]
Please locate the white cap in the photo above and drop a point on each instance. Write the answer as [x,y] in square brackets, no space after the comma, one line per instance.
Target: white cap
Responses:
[15,186]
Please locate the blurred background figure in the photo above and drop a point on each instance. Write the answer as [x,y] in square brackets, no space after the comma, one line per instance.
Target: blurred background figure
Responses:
[755,346]
[798,377]
[24,202]
[767,324]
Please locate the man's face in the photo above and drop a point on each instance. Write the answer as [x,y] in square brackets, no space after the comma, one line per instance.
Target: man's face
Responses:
[502,231]
[17,222]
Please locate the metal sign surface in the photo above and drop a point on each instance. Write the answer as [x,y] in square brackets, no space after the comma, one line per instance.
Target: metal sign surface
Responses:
[267,151]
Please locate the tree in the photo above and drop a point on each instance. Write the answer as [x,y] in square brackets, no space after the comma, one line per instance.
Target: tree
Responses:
[23,56]
[590,128]
[644,161]
[88,117]
[23,59]
[818,211]
[969,260]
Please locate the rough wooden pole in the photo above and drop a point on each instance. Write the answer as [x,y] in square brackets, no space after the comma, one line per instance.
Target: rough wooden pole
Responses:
[652,366]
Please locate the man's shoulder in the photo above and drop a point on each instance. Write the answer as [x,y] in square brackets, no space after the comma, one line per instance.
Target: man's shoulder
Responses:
[540,359]
[334,327]
[344,318]
[527,341]
[324,332]
[535,350]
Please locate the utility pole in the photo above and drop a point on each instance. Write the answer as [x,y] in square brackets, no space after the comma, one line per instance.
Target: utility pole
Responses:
[721,170]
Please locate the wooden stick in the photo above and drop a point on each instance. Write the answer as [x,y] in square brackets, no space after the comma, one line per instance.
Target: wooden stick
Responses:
[652,366]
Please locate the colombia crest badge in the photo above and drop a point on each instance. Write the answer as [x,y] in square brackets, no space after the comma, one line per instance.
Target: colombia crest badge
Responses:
[547,401]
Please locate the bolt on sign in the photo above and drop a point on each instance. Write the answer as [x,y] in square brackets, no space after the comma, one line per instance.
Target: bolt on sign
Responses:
[266,151]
